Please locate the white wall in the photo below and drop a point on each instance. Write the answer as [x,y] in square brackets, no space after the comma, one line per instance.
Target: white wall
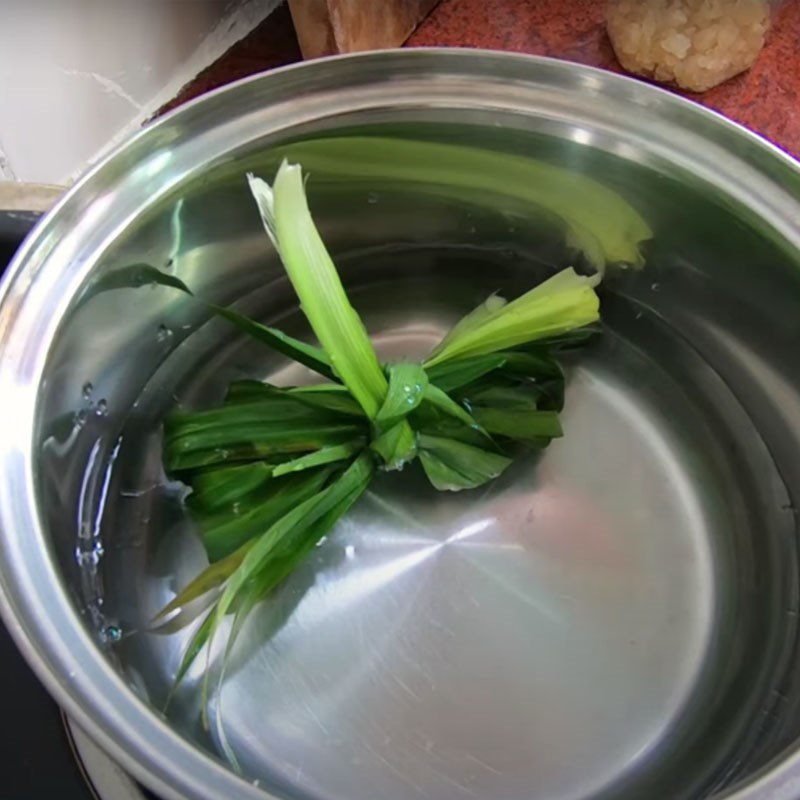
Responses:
[77,75]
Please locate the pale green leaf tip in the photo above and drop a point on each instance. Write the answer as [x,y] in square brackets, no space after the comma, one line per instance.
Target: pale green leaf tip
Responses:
[265,201]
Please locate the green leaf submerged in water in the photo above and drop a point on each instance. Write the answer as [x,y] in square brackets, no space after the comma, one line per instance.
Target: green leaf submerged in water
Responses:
[272,469]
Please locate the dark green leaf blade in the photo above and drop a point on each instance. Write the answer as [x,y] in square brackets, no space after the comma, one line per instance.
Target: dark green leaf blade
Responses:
[407,384]
[442,476]
[225,533]
[135,276]
[328,397]
[193,649]
[306,354]
[219,487]
[452,465]
[459,372]
[396,446]
[296,522]
[210,578]
[325,455]
[332,398]
[268,409]
[254,441]
[520,425]
[518,398]
[444,403]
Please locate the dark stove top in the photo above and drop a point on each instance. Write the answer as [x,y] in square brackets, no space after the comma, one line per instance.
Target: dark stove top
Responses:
[40,760]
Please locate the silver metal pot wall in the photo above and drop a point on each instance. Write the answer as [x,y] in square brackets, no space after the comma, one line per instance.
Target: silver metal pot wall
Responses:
[618,619]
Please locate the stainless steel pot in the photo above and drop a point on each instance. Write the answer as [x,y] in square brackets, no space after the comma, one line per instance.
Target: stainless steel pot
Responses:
[618,619]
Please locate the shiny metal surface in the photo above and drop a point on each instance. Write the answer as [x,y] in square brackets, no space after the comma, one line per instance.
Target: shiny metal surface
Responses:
[105,779]
[617,619]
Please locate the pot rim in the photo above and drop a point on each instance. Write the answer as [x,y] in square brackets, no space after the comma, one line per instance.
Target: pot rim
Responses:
[34,603]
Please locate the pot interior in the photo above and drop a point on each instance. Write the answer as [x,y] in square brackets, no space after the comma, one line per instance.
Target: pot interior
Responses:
[616,617]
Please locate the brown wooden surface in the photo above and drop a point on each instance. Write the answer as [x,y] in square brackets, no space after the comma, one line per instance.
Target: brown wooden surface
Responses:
[328,27]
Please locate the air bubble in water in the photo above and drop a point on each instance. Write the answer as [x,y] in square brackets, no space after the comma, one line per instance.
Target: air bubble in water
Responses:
[87,390]
[655,287]
[80,417]
[372,198]
[89,558]
[111,634]
[164,333]
[101,408]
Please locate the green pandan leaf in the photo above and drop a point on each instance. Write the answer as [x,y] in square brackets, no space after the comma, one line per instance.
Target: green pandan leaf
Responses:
[138,275]
[396,446]
[474,319]
[294,523]
[274,468]
[565,301]
[407,385]
[193,649]
[210,578]
[220,487]
[303,520]
[227,532]
[598,220]
[452,465]
[287,220]
[444,403]
[521,425]
[325,455]
[253,441]
[458,372]
[330,397]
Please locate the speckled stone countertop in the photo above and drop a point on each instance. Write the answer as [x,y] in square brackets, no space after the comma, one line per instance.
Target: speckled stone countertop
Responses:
[766,99]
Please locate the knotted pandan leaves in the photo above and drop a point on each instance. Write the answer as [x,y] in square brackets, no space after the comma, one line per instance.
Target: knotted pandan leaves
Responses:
[272,469]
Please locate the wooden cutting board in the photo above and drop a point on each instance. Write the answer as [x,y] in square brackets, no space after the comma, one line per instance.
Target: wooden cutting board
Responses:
[327,27]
